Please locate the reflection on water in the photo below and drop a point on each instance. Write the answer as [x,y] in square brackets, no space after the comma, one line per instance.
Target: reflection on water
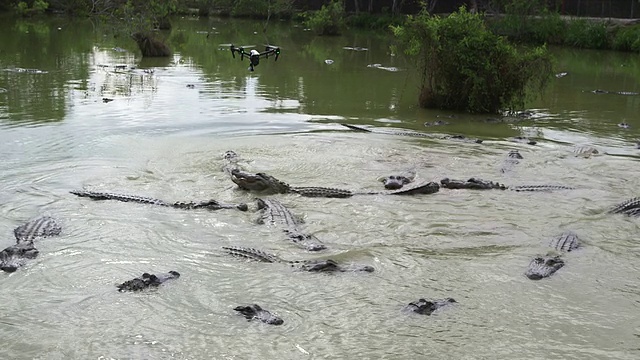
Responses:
[162,133]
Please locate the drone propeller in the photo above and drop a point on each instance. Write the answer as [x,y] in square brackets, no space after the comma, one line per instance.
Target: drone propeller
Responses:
[272,48]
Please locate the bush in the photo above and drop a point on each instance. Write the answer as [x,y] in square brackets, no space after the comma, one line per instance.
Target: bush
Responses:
[464,66]
[548,28]
[38,7]
[329,20]
[627,39]
[587,34]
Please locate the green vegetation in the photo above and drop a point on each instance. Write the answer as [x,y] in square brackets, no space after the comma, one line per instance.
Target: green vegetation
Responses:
[464,66]
[627,39]
[329,20]
[534,21]
[37,7]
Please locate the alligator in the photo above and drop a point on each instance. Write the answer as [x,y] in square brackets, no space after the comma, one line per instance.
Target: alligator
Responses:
[522,139]
[629,207]
[256,312]
[436,123]
[327,265]
[262,182]
[397,181]
[274,213]
[232,161]
[411,133]
[585,151]
[479,184]
[513,159]
[473,183]
[426,307]
[16,255]
[627,93]
[208,204]
[544,266]
[147,281]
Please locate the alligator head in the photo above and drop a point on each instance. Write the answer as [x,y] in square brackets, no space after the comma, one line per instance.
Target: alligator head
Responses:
[332,266]
[16,255]
[256,312]
[544,266]
[147,280]
[426,307]
[258,182]
[230,155]
[514,154]
[394,182]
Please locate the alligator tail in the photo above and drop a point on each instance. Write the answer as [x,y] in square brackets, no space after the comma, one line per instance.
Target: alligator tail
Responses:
[119,197]
[529,188]
[356,128]
[629,207]
[251,254]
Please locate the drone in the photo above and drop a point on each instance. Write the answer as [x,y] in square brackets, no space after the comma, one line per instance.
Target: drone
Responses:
[254,55]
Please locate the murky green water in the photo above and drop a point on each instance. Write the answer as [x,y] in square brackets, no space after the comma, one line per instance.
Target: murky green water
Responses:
[160,138]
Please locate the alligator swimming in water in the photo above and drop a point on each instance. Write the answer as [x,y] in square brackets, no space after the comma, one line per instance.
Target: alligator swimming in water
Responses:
[274,213]
[411,133]
[397,181]
[545,266]
[479,184]
[208,204]
[146,281]
[626,93]
[585,151]
[629,207]
[472,183]
[522,139]
[256,312]
[303,265]
[513,159]
[262,182]
[426,307]
[16,255]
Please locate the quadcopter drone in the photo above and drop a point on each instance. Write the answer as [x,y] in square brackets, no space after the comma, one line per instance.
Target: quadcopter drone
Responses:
[254,55]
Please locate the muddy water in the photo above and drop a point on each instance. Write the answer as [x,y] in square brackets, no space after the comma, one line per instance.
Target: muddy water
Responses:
[163,139]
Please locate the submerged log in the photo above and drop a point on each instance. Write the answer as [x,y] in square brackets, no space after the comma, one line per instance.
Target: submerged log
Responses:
[151,46]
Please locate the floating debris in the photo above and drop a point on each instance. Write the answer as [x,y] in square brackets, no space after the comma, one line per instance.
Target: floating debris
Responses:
[562,74]
[328,61]
[624,125]
[118,49]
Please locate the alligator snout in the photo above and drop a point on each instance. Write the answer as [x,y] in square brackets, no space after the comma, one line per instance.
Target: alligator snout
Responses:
[542,267]
[9,268]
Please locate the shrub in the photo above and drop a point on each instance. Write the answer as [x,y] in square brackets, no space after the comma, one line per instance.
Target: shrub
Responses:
[627,39]
[464,66]
[38,7]
[329,20]
[587,34]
